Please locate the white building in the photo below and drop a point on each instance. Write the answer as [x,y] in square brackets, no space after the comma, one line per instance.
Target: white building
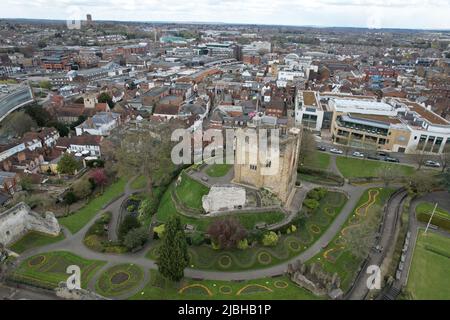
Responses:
[308,110]
[100,124]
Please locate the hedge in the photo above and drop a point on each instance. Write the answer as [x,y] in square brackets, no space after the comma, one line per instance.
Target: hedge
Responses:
[437,221]
[322,174]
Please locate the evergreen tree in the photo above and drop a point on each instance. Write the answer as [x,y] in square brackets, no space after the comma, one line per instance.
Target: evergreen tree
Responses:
[173,254]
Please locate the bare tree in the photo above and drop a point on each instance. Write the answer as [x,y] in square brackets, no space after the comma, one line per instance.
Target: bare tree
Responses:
[18,123]
[419,158]
[388,174]
[361,238]
[226,232]
[423,182]
[146,152]
[444,160]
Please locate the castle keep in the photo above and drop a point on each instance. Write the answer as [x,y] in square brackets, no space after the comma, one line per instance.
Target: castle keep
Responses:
[283,182]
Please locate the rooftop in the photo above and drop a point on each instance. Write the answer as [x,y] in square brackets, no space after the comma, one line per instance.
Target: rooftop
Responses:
[310,99]
[428,115]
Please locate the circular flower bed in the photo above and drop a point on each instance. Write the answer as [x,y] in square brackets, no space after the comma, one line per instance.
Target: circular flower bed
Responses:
[330,211]
[314,228]
[280,284]
[119,280]
[120,277]
[294,245]
[225,261]
[225,289]
[264,258]
[36,261]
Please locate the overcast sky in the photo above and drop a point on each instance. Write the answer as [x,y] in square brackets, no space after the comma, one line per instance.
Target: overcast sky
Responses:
[424,14]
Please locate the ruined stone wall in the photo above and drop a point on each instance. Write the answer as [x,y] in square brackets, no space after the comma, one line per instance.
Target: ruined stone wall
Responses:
[17,221]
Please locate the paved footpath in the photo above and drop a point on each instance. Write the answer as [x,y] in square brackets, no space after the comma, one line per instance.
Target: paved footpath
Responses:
[443,199]
[390,220]
[74,244]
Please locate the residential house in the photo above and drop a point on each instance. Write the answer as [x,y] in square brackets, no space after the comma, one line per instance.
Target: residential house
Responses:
[99,124]
[84,144]
[8,182]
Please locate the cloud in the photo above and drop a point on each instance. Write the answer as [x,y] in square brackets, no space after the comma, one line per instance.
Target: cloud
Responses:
[431,14]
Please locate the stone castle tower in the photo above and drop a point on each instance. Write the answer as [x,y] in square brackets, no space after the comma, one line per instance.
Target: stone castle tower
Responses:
[283,182]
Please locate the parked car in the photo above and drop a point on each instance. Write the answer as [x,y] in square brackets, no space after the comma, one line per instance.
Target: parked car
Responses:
[390,159]
[337,151]
[321,148]
[383,154]
[358,154]
[373,158]
[431,163]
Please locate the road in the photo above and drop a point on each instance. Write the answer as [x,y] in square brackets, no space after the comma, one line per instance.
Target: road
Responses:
[15,100]
[407,159]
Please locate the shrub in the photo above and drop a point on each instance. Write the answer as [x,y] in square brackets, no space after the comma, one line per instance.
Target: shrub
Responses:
[317,194]
[243,244]
[197,239]
[146,208]
[255,235]
[270,239]
[106,218]
[322,192]
[82,188]
[135,238]
[129,222]
[327,177]
[313,194]
[70,198]
[437,220]
[159,230]
[95,163]
[131,208]
[94,242]
[311,204]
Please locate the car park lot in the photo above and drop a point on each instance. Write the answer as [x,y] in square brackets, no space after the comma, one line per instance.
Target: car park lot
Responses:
[394,157]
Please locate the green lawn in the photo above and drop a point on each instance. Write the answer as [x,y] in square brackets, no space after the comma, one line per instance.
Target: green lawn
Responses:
[427,208]
[336,257]
[79,219]
[190,192]
[429,274]
[278,288]
[139,183]
[249,220]
[48,269]
[34,239]
[319,160]
[289,245]
[218,170]
[359,168]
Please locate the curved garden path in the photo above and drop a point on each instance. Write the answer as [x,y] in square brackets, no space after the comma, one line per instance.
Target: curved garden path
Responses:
[74,244]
